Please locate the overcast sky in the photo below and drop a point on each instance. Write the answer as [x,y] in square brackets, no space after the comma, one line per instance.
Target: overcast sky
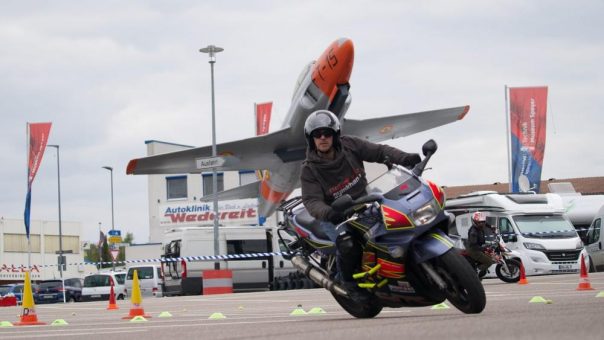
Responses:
[110,75]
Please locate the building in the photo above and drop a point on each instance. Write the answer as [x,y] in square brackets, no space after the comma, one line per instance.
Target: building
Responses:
[584,186]
[44,239]
[174,199]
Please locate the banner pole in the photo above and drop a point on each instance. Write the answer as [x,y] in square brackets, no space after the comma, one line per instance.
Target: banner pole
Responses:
[507,125]
[28,190]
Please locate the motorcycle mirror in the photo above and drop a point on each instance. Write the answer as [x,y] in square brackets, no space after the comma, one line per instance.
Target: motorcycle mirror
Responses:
[429,147]
[342,203]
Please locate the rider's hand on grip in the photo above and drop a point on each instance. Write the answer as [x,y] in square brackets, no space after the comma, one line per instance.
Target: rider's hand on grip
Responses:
[335,217]
[411,160]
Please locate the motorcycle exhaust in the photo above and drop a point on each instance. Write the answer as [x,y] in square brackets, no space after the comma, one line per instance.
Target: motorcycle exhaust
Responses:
[317,275]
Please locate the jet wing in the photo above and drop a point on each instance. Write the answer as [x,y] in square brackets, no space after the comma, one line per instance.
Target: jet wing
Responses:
[251,190]
[260,152]
[384,128]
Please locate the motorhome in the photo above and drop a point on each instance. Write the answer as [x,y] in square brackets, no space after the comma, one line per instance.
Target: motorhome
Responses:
[534,225]
[249,273]
[594,241]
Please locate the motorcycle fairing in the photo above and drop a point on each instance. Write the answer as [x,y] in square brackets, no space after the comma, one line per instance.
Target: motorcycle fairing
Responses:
[430,245]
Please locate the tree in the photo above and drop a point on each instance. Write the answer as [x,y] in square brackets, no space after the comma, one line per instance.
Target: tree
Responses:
[106,255]
[129,238]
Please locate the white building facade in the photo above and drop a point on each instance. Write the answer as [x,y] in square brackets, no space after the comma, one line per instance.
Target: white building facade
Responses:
[174,200]
[44,239]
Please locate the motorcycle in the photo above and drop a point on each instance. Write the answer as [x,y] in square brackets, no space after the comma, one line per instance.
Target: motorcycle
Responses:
[407,258]
[507,262]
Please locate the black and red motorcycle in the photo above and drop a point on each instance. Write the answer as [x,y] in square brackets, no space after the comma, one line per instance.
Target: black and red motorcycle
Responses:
[507,262]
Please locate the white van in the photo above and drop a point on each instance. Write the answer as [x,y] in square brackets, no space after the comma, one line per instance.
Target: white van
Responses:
[594,241]
[534,225]
[249,274]
[150,280]
[97,287]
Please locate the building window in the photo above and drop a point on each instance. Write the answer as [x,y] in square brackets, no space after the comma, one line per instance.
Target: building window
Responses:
[247,177]
[18,243]
[208,188]
[176,187]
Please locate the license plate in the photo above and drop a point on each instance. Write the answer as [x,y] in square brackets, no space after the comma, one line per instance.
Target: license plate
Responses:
[565,266]
[48,296]
[95,296]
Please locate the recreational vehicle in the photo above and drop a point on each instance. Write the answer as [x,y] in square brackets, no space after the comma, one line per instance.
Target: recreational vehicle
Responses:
[534,225]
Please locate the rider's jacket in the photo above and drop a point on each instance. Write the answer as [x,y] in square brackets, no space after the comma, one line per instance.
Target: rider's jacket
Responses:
[478,236]
[324,180]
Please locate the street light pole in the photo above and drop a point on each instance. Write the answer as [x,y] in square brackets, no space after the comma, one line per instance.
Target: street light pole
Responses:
[60,262]
[100,245]
[212,50]
[112,219]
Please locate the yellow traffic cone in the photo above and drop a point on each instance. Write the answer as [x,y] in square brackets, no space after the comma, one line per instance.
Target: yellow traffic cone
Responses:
[136,299]
[28,317]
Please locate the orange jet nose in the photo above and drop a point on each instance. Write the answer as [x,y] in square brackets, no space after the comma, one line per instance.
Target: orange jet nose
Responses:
[334,66]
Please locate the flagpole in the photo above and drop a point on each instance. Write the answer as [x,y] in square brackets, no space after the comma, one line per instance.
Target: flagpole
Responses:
[507,125]
[28,192]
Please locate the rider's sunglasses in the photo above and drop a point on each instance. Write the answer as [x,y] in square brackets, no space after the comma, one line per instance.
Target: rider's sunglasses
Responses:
[323,132]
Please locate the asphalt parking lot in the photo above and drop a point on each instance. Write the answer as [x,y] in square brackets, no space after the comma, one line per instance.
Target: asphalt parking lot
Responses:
[570,314]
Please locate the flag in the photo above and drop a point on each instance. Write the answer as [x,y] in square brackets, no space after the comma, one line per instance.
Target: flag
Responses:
[101,239]
[263,117]
[528,109]
[37,134]
[263,121]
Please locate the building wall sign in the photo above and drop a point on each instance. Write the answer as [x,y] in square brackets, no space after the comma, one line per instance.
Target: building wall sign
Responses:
[235,212]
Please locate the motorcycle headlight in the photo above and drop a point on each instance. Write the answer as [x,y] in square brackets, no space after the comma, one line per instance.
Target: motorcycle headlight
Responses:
[533,246]
[426,214]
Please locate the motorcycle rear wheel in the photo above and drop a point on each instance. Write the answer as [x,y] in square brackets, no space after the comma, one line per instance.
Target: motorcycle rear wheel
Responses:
[464,289]
[514,271]
[358,310]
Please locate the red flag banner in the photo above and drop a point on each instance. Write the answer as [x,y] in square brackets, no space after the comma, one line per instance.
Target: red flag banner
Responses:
[38,136]
[263,117]
[528,109]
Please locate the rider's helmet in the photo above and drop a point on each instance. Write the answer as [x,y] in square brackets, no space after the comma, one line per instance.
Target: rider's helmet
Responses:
[322,119]
[479,218]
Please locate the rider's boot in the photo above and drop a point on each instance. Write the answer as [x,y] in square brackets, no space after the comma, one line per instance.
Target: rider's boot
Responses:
[348,257]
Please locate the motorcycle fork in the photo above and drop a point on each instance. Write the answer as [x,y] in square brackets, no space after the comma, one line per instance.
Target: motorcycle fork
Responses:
[433,275]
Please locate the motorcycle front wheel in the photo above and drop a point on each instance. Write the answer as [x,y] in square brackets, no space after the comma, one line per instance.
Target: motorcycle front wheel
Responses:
[463,288]
[512,274]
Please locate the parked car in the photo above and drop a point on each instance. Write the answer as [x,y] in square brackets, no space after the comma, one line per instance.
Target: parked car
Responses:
[97,287]
[16,289]
[50,291]
[150,280]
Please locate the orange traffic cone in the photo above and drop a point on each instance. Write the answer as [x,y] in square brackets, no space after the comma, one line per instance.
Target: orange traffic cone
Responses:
[112,304]
[523,280]
[584,282]
[28,317]
[137,300]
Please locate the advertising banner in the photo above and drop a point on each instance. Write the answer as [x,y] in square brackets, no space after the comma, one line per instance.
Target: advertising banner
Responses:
[528,109]
[36,144]
[263,117]
[234,212]
[263,121]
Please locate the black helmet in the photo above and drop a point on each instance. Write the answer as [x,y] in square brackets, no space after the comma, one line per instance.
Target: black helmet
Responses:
[321,119]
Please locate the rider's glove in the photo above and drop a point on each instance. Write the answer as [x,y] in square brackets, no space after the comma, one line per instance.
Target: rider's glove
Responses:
[410,160]
[335,217]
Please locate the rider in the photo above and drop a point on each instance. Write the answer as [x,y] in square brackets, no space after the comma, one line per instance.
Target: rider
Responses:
[477,235]
[334,167]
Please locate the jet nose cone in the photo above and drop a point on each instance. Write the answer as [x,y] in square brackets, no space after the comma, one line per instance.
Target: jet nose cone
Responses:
[334,66]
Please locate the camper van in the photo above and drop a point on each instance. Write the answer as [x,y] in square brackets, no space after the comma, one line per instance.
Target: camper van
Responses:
[534,225]
[249,274]
[594,241]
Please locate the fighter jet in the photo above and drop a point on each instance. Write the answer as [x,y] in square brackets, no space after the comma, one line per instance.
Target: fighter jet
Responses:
[323,84]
